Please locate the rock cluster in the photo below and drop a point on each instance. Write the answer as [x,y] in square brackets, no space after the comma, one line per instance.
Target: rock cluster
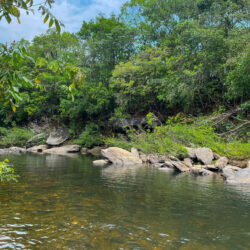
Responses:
[201,161]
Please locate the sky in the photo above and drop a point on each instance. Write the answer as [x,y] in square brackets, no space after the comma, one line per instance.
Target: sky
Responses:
[70,12]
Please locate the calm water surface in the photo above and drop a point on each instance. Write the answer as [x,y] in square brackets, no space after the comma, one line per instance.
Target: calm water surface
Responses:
[67,203]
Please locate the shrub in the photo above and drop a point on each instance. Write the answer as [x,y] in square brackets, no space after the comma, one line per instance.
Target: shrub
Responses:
[6,172]
[174,138]
[14,137]
[91,136]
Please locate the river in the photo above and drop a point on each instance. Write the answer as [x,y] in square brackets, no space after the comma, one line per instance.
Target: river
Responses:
[67,203]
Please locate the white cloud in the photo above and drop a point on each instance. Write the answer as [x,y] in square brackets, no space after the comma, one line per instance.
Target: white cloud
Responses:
[69,13]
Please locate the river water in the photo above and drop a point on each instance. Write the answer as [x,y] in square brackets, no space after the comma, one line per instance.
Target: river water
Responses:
[67,203]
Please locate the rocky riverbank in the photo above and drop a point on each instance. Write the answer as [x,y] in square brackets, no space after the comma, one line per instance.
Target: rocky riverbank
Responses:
[199,161]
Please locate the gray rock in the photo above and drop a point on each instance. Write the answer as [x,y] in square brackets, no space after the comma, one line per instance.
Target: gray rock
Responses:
[211,167]
[84,151]
[237,177]
[135,152]
[100,163]
[188,162]
[157,158]
[12,150]
[221,163]
[166,169]
[204,155]
[37,139]
[196,169]
[96,151]
[205,172]
[180,166]
[191,153]
[143,157]
[58,137]
[120,156]
[38,149]
[64,150]
[169,164]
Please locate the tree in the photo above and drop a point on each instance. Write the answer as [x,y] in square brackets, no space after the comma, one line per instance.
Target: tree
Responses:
[12,9]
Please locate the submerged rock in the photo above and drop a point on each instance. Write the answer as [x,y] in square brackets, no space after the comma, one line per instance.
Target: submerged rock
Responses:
[58,137]
[120,156]
[100,163]
[237,177]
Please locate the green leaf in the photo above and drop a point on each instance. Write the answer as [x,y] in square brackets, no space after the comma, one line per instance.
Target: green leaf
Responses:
[46,18]
[58,28]
[51,22]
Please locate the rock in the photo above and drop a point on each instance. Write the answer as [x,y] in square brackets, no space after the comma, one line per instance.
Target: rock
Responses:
[221,163]
[239,163]
[216,156]
[120,156]
[84,151]
[122,124]
[58,137]
[227,172]
[169,164]
[211,167]
[100,163]
[237,177]
[2,151]
[158,165]
[12,150]
[191,153]
[135,152]
[234,168]
[166,169]
[196,169]
[173,158]
[37,139]
[38,149]
[143,157]
[205,172]
[64,150]
[188,162]
[156,158]
[204,155]
[96,151]
[180,166]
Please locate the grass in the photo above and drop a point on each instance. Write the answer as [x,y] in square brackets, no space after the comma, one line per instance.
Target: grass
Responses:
[14,137]
[173,139]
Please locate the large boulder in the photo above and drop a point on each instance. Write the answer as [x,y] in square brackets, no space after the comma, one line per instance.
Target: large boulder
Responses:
[120,156]
[58,137]
[38,149]
[64,150]
[204,155]
[237,177]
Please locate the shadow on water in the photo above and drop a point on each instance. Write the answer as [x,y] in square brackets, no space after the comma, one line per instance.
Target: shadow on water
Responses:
[62,202]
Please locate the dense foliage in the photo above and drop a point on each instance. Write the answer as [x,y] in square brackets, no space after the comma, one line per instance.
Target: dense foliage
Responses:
[160,56]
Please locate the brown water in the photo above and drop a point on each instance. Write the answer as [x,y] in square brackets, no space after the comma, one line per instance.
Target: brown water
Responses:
[67,203]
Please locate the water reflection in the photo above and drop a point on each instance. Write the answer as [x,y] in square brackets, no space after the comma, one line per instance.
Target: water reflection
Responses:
[68,203]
